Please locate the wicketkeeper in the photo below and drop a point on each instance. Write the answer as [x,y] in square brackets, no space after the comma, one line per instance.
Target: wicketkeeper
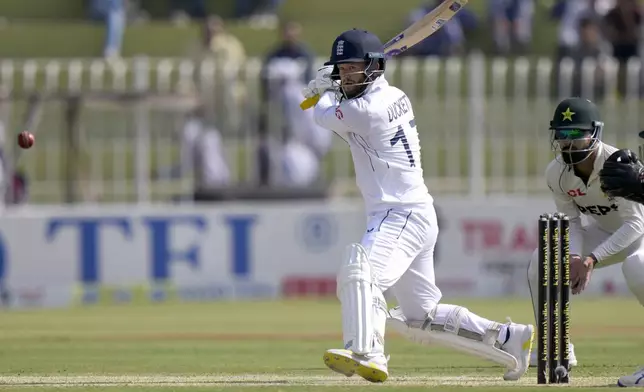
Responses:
[614,229]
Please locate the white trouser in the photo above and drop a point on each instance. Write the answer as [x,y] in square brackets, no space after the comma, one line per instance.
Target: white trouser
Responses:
[400,247]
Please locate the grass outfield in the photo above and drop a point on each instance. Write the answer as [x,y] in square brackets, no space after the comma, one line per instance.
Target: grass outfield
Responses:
[276,346]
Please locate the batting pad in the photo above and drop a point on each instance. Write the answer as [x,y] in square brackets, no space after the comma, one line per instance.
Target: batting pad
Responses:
[450,334]
[363,305]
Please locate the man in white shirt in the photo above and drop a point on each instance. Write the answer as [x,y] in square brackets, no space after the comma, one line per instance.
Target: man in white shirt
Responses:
[202,152]
[397,249]
[614,234]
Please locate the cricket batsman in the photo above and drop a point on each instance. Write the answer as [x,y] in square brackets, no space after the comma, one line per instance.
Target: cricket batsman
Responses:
[614,234]
[623,176]
[396,252]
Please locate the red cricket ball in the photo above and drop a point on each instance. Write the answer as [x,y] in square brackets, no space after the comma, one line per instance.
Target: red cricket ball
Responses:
[26,139]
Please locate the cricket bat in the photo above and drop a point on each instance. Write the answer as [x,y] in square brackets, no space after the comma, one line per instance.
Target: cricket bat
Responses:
[412,35]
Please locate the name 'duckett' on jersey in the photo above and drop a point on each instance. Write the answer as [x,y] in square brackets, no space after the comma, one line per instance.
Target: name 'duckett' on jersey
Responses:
[380,129]
[399,108]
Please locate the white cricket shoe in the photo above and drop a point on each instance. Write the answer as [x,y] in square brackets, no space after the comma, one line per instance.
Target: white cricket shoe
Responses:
[370,367]
[634,380]
[519,345]
[572,361]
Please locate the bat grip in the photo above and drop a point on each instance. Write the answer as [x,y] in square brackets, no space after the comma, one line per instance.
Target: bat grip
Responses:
[309,102]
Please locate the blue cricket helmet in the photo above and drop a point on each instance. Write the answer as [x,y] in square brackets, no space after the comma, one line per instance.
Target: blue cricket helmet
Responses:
[354,46]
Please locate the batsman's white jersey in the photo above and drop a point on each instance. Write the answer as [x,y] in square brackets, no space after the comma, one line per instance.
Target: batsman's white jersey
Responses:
[614,229]
[381,131]
[396,252]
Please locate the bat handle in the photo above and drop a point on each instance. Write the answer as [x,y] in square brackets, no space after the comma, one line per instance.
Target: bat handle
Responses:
[309,102]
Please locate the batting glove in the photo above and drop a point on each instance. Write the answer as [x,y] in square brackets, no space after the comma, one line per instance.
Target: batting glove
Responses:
[321,83]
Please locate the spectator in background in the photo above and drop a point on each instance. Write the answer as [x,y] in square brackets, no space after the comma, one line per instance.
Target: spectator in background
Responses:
[223,46]
[449,40]
[202,152]
[290,47]
[291,145]
[112,12]
[591,46]
[511,21]
[292,148]
[230,57]
[623,29]
[591,43]
[622,25]
[569,13]
[260,13]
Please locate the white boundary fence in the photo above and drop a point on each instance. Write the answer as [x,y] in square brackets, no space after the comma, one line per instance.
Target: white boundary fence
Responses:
[483,121]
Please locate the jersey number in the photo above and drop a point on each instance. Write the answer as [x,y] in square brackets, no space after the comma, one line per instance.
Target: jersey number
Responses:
[400,136]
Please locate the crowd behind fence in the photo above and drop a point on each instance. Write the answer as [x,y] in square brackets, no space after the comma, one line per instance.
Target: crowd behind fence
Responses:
[113,132]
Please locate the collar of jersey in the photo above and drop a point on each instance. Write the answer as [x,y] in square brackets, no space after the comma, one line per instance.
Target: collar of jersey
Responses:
[378,83]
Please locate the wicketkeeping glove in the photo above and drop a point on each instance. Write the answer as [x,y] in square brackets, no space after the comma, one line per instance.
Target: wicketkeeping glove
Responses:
[623,176]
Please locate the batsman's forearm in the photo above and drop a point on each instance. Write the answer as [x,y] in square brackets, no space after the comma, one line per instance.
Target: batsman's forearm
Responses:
[620,240]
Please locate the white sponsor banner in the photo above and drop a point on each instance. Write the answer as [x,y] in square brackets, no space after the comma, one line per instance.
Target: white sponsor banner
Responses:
[50,255]
[53,256]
